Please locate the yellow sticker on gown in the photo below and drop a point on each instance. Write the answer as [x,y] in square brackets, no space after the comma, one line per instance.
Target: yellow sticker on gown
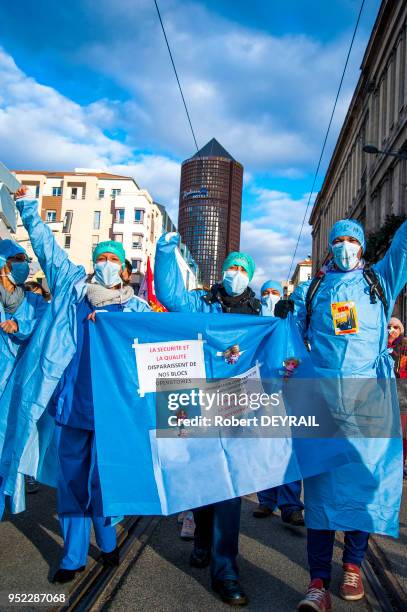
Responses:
[345,318]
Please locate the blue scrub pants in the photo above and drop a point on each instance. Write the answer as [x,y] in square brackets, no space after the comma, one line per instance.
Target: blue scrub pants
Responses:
[79,497]
[320,547]
[217,531]
[286,498]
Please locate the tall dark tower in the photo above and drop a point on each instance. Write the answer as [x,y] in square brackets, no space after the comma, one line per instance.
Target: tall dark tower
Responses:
[210,206]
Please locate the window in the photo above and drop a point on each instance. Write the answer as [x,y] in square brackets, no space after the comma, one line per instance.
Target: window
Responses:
[56,191]
[138,215]
[37,191]
[95,241]
[96,219]
[135,265]
[74,193]
[51,216]
[115,193]
[101,194]
[137,241]
[67,221]
[118,237]
[67,241]
[119,215]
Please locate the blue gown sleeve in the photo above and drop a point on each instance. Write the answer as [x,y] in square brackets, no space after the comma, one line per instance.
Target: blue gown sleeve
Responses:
[393,267]
[300,310]
[58,269]
[137,304]
[169,284]
[28,317]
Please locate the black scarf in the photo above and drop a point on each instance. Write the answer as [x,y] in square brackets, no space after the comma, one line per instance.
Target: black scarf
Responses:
[245,303]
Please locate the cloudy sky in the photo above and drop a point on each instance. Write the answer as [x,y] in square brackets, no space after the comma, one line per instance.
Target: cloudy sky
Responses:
[88,83]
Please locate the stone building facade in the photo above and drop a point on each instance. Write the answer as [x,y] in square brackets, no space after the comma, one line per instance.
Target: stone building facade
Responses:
[357,184]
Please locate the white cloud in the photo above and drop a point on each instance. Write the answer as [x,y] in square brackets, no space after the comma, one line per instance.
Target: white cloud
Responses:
[271,231]
[42,130]
[266,98]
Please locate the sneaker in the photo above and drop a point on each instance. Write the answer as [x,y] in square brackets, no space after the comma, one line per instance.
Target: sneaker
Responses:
[188,527]
[316,598]
[262,511]
[351,588]
[296,518]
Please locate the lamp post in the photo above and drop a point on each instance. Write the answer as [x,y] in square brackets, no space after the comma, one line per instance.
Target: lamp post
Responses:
[373,150]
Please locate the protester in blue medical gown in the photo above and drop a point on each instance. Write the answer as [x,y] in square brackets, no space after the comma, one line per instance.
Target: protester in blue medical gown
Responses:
[285,497]
[79,495]
[20,312]
[355,498]
[217,525]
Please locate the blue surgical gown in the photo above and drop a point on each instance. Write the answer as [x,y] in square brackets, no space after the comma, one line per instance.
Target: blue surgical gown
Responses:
[52,348]
[359,496]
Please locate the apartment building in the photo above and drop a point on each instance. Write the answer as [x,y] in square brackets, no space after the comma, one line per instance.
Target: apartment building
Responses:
[302,272]
[87,206]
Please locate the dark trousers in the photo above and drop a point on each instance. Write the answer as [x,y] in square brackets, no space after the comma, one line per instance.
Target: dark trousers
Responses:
[217,531]
[320,547]
[286,497]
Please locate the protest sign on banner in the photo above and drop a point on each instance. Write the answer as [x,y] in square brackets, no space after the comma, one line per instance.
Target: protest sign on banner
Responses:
[158,361]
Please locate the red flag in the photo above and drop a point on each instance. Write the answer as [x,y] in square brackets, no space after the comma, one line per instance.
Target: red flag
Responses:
[151,296]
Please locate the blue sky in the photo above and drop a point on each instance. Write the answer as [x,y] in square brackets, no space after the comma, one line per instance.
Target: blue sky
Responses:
[89,84]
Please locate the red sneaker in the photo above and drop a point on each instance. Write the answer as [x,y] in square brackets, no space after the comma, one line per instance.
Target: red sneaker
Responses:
[352,586]
[316,598]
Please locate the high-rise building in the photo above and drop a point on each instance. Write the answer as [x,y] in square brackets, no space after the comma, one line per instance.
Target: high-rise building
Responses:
[210,207]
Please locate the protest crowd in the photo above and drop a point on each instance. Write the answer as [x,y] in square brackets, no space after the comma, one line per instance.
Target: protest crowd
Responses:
[343,318]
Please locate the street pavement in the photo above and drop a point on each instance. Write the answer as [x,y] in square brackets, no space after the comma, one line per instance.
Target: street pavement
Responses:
[272,569]
[272,563]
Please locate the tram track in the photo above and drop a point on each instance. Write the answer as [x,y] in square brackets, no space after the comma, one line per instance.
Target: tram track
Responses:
[385,594]
[92,590]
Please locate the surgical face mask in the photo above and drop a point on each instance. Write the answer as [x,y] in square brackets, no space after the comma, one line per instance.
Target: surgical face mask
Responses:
[235,282]
[19,272]
[107,273]
[346,255]
[270,300]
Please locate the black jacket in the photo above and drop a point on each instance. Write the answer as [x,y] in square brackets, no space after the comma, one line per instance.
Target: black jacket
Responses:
[246,303]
